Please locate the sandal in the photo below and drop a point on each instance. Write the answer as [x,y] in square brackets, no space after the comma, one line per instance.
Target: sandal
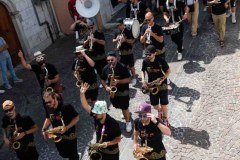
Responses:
[222,43]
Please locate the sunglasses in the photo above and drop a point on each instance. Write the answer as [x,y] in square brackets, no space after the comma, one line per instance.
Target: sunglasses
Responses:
[110,60]
[8,110]
[148,20]
[48,102]
[148,54]
[90,27]
[142,115]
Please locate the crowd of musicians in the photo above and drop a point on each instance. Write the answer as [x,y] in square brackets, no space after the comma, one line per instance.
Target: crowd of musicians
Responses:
[116,71]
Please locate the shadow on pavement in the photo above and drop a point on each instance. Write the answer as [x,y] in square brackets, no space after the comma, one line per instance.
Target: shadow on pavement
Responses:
[179,92]
[187,135]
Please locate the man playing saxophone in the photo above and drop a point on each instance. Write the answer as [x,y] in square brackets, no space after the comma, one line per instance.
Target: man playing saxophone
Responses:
[150,130]
[120,80]
[18,132]
[156,68]
[83,70]
[108,133]
[125,42]
[65,118]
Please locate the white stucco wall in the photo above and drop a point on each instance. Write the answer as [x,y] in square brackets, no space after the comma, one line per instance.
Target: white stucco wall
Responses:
[34,36]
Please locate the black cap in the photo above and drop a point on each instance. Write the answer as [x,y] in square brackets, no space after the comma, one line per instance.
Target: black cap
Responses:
[112,53]
[150,49]
[119,20]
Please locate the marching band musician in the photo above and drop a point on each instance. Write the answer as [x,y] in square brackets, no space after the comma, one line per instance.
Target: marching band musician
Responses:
[18,132]
[84,66]
[150,130]
[156,67]
[140,8]
[151,33]
[41,69]
[178,8]
[108,133]
[117,75]
[97,53]
[124,41]
[64,116]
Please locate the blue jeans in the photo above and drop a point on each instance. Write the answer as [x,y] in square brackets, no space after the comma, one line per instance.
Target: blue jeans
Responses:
[7,64]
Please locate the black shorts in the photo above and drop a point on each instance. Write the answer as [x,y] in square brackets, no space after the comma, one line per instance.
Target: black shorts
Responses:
[128,60]
[233,3]
[27,154]
[162,95]
[121,102]
[110,156]
[92,94]
[68,149]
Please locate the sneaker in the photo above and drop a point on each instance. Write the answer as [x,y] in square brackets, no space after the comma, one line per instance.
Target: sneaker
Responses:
[160,115]
[229,14]
[168,81]
[122,116]
[205,9]
[2,91]
[134,81]
[234,20]
[100,86]
[18,81]
[179,56]
[128,126]
[8,86]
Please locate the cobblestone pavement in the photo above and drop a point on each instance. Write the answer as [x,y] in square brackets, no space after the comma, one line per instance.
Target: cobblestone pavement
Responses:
[204,98]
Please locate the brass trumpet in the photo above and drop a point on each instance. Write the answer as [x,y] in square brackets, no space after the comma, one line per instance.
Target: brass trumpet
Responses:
[112,86]
[14,144]
[153,87]
[140,152]
[93,152]
[54,134]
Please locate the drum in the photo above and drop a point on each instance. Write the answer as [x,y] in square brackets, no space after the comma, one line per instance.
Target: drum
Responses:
[171,29]
[133,25]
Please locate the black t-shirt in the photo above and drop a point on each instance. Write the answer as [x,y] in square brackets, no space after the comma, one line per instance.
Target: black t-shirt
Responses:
[67,112]
[219,8]
[155,69]
[87,72]
[120,71]
[150,132]
[97,49]
[158,31]
[112,130]
[41,73]
[128,35]
[23,123]
[177,13]
[141,12]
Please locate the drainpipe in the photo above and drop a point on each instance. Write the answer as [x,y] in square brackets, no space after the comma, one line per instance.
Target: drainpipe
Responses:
[43,23]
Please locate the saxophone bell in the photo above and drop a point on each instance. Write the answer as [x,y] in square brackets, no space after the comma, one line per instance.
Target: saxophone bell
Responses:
[112,85]
[14,144]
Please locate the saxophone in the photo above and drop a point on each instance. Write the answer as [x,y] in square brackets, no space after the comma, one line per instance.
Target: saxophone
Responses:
[45,79]
[14,144]
[77,75]
[153,87]
[140,152]
[93,152]
[112,86]
[54,134]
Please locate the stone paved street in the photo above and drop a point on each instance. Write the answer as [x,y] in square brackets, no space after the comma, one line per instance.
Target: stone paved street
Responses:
[204,97]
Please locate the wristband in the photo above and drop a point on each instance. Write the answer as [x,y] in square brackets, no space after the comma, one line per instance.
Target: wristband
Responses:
[158,121]
[44,129]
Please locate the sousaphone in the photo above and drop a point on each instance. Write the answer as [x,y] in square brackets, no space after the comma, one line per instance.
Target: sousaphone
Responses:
[87,8]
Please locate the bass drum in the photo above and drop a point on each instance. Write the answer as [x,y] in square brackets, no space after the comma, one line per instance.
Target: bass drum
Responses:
[133,25]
